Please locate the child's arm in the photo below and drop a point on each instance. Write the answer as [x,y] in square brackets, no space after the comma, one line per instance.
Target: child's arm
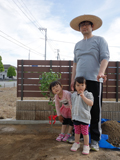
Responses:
[57,105]
[71,112]
[69,99]
[60,118]
[86,100]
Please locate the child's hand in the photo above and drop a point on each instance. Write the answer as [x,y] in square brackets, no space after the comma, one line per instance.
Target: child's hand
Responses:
[82,94]
[60,118]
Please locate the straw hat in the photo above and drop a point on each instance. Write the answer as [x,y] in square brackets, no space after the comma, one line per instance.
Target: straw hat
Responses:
[94,19]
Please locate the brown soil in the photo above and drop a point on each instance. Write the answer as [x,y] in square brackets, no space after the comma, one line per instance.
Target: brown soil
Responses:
[8,102]
[37,142]
[112,129]
[8,98]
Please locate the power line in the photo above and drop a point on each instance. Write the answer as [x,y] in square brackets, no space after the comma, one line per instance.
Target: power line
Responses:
[23,46]
[66,56]
[37,22]
[28,16]
[60,41]
[29,48]
[30,13]
[33,18]
[17,44]
[24,13]
[20,42]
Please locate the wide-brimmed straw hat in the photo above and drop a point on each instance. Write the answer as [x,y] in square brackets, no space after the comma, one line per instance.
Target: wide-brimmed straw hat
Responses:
[97,22]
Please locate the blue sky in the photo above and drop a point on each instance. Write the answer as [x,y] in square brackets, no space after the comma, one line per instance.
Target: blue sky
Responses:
[20,20]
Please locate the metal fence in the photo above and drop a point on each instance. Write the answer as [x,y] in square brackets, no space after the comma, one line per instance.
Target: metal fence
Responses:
[5,84]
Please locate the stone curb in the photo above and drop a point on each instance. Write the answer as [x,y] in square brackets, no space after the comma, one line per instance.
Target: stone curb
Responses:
[14,121]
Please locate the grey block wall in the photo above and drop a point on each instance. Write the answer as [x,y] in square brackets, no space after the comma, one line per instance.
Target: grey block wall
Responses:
[40,110]
[33,110]
[111,110]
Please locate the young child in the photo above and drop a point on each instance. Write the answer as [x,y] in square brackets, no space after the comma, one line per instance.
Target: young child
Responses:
[63,112]
[82,101]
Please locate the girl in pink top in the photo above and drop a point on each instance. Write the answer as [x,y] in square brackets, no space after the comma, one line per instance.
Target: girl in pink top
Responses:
[64,111]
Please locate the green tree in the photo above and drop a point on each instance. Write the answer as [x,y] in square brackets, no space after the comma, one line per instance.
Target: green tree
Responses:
[45,79]
[11,72]
[1,65]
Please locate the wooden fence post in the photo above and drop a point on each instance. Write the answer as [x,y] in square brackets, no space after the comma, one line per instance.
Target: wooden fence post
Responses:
[107,83]
[21,80]
[117,80]
[50,64]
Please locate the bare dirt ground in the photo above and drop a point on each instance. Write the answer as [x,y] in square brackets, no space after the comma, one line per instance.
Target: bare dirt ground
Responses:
[37,142]
[8,102]
[8,98]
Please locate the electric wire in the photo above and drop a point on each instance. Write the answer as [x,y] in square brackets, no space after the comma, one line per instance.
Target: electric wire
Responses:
[26,14]
[34,19]
[18,44]
[23,46]
[37,22]
[31,20]
[30,13]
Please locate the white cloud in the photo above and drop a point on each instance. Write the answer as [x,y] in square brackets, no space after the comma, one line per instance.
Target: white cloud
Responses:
[113,38]
[18,26]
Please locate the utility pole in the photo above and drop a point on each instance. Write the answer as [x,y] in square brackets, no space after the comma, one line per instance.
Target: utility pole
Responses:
[58,55]
[44,29]
[29,55]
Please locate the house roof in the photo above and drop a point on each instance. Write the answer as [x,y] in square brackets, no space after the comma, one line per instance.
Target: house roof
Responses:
[6,66]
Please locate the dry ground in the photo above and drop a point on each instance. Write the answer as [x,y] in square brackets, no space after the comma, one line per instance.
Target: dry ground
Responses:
[8,102]
[37,142]
[8,98]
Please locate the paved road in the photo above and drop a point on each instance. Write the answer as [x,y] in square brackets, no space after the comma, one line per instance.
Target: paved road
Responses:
[8,84]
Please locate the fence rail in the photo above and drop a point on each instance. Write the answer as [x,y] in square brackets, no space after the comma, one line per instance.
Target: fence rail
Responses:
[28,72]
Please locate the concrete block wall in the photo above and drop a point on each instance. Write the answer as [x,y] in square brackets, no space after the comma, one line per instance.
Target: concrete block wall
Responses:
[111,110]
[33,110]
[40,110]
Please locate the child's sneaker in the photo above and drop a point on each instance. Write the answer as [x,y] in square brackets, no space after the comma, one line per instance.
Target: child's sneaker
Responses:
[66,137]
[60,137]
[75,146]
[71,139]
[94,145]
[85,149]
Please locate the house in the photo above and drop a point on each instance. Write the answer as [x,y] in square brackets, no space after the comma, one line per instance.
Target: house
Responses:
[3,75]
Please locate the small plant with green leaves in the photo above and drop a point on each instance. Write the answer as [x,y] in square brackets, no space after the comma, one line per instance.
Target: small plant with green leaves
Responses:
[45,79]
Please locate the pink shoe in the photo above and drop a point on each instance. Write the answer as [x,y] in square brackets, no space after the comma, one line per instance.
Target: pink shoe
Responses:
[66,137]
[60,137]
